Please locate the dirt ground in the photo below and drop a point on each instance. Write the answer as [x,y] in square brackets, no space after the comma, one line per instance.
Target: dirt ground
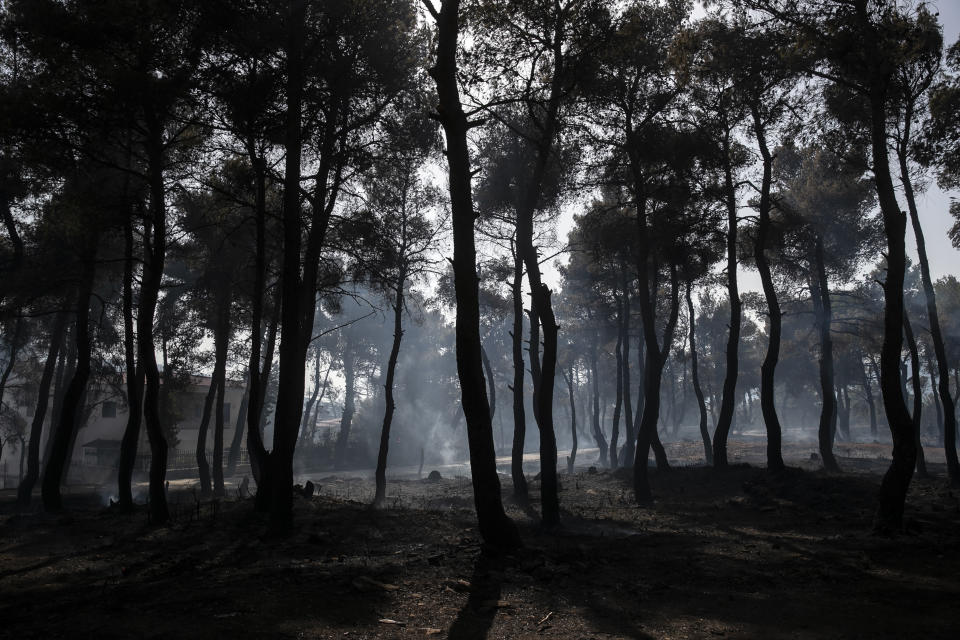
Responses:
[735,554]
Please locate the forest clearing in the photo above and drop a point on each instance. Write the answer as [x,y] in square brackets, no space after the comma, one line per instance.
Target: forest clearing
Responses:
[739,553]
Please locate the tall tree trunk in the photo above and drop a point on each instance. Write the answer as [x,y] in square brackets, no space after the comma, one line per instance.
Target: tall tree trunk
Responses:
[519,413]
[768,369]
[25,488]
[495,527]
[66,428]
[381,473]
[618,352]
[134,378]
[259,458]
[936,333]
[222,344]
[155,249]
[820,296]
[896,481]
[728,400]
[200,452]
[630,439]
[307,412]
[695,376]
[917,393]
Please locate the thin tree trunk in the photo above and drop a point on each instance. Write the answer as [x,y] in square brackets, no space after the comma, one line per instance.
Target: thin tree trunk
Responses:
[595,414]
[727,404]
[519,413]
[200,452]
[896,481]
[695,376]
[307,412]
[917,394]
[868,394]
[381,473]
[936,396]
[768,368]
[572,458]
[824,316]
[349,392]
[134,379]
[25,488]
[220,373]
[618,351]
[495,527]
[630,439]
[936,333]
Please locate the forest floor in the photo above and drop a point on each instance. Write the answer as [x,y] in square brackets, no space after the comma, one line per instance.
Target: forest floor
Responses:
[734,554]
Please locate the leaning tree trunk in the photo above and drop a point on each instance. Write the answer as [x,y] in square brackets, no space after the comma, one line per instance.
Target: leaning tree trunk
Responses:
[200,453]
[25,488]
[381,473]
[936,333]
[917,394]
[728,399]
[768,368]
[896,481]
[823,311]
[695,377]
[495,527]
[519,412]
[65,430]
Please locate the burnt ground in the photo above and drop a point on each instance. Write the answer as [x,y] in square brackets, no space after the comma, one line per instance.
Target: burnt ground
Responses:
[736,554]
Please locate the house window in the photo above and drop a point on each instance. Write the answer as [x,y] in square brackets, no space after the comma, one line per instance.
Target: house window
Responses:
[109,409]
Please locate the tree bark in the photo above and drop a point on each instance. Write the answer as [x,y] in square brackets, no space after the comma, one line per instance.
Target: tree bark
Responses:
[66,429]
[200,452]
[25,488]
[381,473]
[618,352]
[233,457]
[936,333]
[695,377]
[896,481]
[768,368]
[134,379]
[572,458]
[222,344]
[630,433]
[820,296]
[917,393]
[728,399]
[595,414]
[495,527]
[519,412]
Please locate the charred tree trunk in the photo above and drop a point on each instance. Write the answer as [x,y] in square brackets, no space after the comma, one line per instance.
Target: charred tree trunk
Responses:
[595,414]
[200,453]
[222,343]
[896,481]
[308,410]
[495,527]
[630,432]
[519,413]
[134,377]
[917,393]
[824,316]
[615,433]
[768,368]
[728,400]
[155,250]
[66,428]
[381,473]
[695,377]
[936,333]
[25,489]
[259,458]
[572,458]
